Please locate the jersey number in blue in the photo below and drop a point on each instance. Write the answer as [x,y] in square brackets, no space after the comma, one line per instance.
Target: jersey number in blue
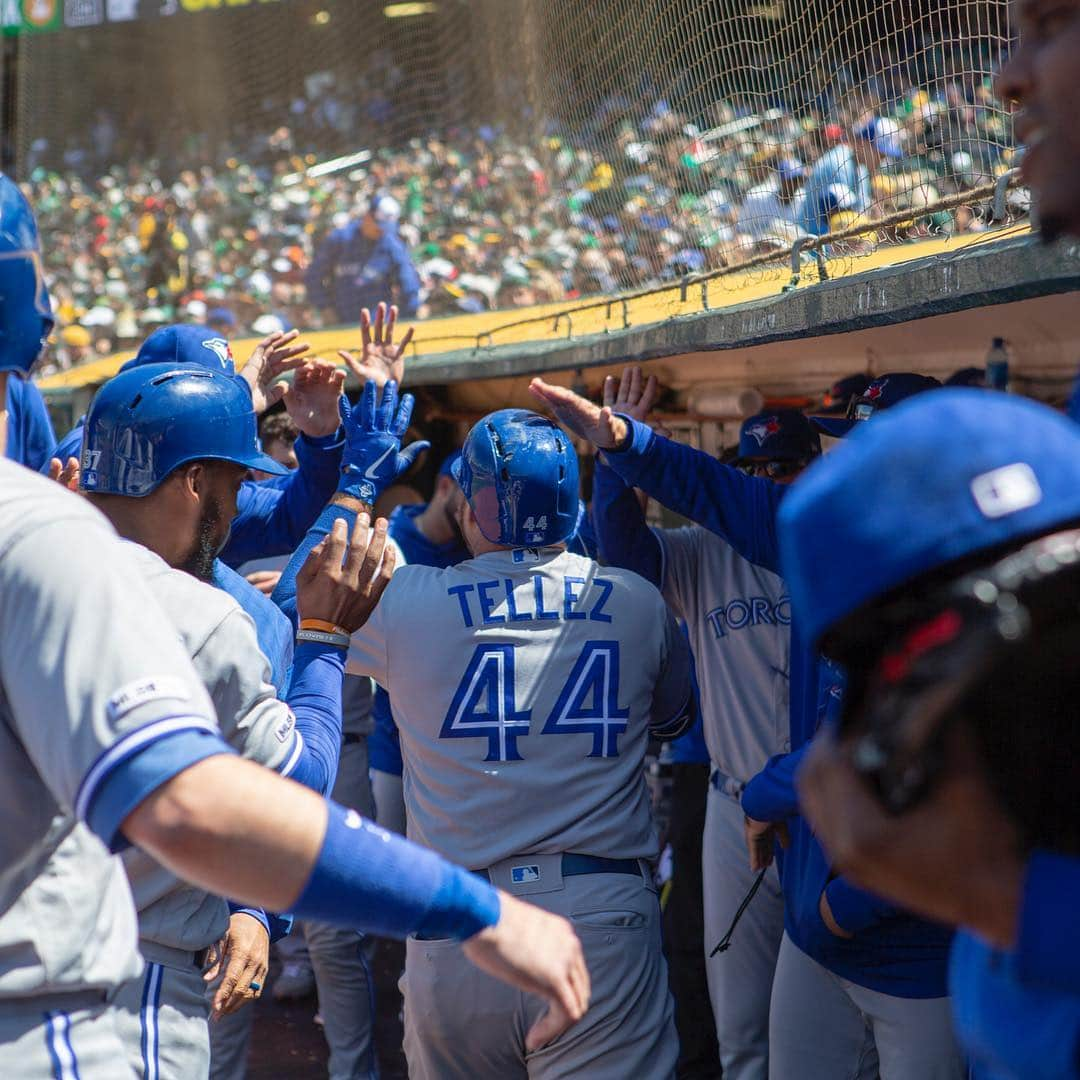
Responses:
[484,705]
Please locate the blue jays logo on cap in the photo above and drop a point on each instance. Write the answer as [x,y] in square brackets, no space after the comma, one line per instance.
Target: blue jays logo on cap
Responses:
[220,348]
[763,429]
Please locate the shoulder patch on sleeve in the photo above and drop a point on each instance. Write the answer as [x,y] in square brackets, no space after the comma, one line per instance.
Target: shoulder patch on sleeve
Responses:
[142,691]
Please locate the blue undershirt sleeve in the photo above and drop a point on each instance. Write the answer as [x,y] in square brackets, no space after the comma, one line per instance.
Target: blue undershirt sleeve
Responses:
[738,508]
[771,795]
[622,534]
[285,591]
[141,774]
[315,699]
[273,515]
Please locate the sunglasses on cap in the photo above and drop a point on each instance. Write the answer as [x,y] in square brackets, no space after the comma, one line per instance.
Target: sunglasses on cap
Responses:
[774,470]
[859,408]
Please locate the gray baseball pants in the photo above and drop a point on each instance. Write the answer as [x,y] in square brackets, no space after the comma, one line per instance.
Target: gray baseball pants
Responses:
[61,1037]
[740,978]
[461,1024]
[823,1027]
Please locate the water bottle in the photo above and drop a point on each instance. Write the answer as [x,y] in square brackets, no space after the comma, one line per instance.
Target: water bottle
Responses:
[997,365]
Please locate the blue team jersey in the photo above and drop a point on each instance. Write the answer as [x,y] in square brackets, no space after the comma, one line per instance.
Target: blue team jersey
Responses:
[30,438]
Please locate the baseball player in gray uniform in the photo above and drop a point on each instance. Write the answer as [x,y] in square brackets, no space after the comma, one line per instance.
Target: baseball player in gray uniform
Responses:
[526,682]
[168,457]
[87,664]
[738,618]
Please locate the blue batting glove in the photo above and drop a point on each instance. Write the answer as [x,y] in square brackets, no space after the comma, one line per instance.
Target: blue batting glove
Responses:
[373,458]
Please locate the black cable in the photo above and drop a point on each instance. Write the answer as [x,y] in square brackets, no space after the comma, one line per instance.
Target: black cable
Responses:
[725,941]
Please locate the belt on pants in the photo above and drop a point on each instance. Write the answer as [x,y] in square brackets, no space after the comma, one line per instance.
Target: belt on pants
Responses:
[574,865]
[726,785]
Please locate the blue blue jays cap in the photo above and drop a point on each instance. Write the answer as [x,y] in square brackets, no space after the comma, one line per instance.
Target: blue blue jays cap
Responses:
[881,393]
[187,345]
[837,398]
[779,435]
[938,479]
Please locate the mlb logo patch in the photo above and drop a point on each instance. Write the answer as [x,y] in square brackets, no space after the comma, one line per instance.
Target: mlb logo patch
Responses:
[526,555]
[524,875]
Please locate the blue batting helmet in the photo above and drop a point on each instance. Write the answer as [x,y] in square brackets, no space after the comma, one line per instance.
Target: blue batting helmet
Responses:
[519,473]
[26,318]
[148,421]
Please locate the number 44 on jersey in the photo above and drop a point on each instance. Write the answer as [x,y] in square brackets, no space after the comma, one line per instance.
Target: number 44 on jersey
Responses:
[485,702]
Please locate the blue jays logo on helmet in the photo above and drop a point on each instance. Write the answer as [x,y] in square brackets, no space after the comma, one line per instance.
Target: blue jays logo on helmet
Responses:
[153,418]
[26,318]
[519,474]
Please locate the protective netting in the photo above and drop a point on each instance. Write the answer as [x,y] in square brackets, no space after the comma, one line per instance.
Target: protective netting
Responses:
[539,150]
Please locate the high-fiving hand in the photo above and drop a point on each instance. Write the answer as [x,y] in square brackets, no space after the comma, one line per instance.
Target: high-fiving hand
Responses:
[631,396]
[276,354]
[380,359]
[597,425]
[374,428]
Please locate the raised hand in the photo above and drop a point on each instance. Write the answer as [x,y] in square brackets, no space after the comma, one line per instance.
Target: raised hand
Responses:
[380,359]
[343,577]
[65,474]
[312,399]
[276,354]
[597,425]
[374,428]
[631,396]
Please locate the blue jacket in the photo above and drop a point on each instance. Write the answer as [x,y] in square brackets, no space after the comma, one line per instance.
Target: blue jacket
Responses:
[891,952]
[1017,1013]
[273,516]
[350,272]
[30,438]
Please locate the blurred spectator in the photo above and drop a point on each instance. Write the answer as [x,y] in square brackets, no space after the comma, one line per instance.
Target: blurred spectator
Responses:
[361,263]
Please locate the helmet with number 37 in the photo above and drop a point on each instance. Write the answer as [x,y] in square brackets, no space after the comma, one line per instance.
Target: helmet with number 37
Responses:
[519,473]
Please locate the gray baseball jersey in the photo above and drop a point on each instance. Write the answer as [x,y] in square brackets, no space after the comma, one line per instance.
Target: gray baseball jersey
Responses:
[523,683]
[739,621]
[90,672]
[220,638]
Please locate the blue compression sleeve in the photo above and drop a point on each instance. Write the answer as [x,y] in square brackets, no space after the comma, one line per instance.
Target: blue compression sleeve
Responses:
[285,592]
[771,795]
[738,508]
[315,699]
[373,881]
[622,534]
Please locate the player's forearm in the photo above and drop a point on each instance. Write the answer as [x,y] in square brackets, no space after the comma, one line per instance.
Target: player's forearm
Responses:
[340,505]
[236,829]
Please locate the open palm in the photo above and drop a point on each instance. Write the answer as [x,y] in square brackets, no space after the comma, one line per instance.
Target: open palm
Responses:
[380,360]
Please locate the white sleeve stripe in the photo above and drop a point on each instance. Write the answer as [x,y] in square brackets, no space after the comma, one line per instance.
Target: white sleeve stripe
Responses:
[294,758]
[131,743]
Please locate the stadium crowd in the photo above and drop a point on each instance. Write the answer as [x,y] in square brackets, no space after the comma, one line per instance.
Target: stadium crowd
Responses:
[245,651]
[638,194]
